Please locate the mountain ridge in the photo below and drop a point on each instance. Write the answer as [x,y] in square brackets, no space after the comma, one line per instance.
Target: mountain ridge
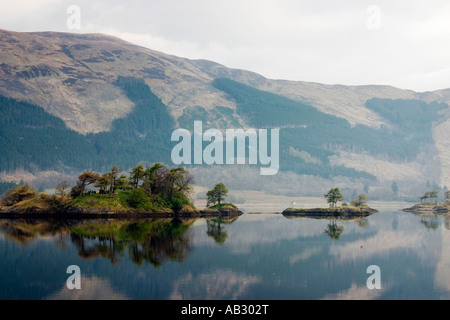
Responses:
[73,76]
[336,95]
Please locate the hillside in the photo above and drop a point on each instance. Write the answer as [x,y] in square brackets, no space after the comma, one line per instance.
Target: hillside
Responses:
[73,102]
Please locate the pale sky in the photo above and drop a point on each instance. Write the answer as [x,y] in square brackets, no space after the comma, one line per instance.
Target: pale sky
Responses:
[352,42]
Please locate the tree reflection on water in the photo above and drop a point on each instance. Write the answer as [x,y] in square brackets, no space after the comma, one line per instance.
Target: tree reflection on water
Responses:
[216,230]
[152,241]
[333,230]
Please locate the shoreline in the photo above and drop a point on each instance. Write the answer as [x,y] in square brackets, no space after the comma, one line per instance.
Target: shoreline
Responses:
[339,212]
[106,213]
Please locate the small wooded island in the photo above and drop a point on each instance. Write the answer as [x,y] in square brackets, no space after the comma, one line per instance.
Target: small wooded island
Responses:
[357,209]
[156,191]
[429,204]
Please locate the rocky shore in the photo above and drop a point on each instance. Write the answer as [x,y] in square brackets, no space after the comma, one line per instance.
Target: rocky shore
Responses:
[77,212]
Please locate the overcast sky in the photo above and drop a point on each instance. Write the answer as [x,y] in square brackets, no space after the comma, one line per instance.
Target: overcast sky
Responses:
[353,42]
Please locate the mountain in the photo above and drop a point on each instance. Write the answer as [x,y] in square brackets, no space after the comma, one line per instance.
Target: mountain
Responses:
[72,102]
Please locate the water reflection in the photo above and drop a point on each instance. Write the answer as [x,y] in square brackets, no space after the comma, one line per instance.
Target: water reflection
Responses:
[363,222]
[26,231]
[217,284]
[153,241]
[255,256]
[333,230]
[94,288]
[354,293]
[216,230]
[433,221]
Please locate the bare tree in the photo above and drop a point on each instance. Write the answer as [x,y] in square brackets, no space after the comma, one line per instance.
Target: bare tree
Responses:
[62,187]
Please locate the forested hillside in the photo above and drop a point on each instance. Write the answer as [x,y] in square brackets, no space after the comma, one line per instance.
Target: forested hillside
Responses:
[32,139]
[310,137]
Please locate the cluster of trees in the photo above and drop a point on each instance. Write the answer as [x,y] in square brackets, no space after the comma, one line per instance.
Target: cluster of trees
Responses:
[155,184]
[166,186]
[360,201]
[108,182]
[142,188]
[429,196]
[334,195]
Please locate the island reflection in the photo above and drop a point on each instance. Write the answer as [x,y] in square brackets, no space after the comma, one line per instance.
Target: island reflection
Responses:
[153,241]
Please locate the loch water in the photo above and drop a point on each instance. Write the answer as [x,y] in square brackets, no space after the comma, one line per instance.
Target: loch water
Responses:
[255,256]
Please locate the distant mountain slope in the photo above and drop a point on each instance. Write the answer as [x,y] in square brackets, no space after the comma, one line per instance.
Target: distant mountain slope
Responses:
[310,134]
[72,77]
[32,139]
[88,81]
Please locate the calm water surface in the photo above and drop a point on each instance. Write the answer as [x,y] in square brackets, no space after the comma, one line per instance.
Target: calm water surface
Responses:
[256,256]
